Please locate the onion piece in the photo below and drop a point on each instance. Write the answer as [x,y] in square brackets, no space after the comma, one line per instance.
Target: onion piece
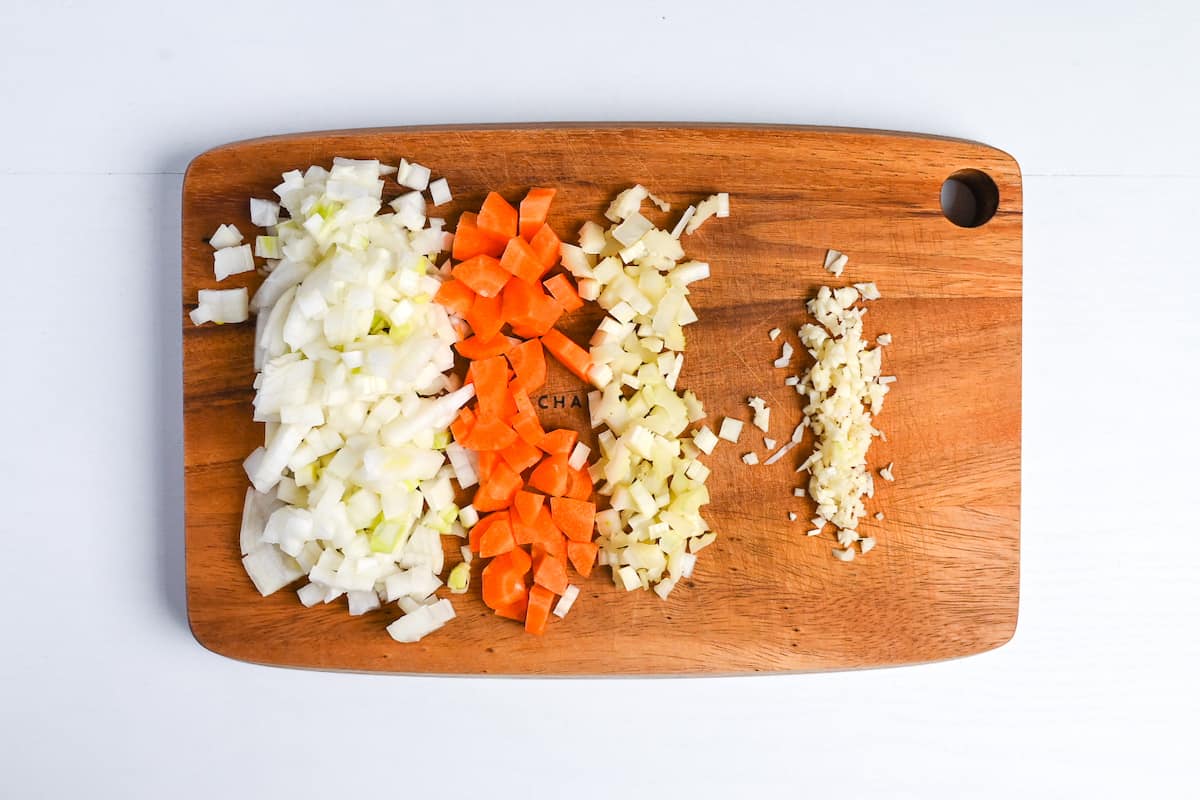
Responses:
[439,192]
[569,595]
[221,306]
[731,429]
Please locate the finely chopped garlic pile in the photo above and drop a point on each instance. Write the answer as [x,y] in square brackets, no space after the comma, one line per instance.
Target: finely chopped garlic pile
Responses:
[844,391]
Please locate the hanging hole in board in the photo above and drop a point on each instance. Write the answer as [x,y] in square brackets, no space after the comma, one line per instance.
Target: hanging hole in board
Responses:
[969,198]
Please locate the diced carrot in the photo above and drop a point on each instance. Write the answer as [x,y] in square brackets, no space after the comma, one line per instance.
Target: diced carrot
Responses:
[514,611]
[497,217]
[470,241]
[564,292]
[521,398]
[552,476]
[456,296]
[496,492]
[481,527]
[526,332]
[529,428]
[529,310]
[522,260]
[504,589]
[482,274]
[583,556]
[519,560]
[485,316]
[546,313]
[476,347]
[549,572]
[523,532]
[569,354]
[534,210]
[518,299]
[490,376]
[529,362]
[463,423]
[488,459]
[528,505]
[547,533]
[508,406]
[497,539]
[537,612]
[489,433]
[555,546]
[575,518]
[546,246]
[559,441]
[520,455]
[580,486]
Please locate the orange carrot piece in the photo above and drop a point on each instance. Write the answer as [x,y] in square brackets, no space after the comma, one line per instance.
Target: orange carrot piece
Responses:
[481,527]
[489,433]
[470,241]
[456,296]
[529,428]
[548,535]
[549,572]
[575,518]
[463,423]
[485,316]
[497,539]
[521,399]
[552,476]
[523,532]
[497,217]
[529,362]
[534,210]
[520,455]
[503,585]
[546,245]
[583,556]
[528,309]
[559,441]
[563,291]
[580,485]
[482,274]
[528,505]
[537,612]
[519,560]
[490,376]
[546,312]
[487,463]
[569,354]
[477,347]
[497,490]
[521,260]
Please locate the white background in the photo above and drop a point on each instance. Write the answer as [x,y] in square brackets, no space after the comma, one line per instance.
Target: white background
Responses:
[103,692]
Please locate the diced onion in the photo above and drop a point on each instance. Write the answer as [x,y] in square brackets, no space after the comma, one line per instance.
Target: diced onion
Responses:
[356,391]
[731,429]
[570,594]
[221,306]
[439,192]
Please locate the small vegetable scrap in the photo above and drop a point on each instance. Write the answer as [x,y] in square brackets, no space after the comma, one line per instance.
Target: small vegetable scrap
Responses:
[648,467]
[351,486]
[534,492]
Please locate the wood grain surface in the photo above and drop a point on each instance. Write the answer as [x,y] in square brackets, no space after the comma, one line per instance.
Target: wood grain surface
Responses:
[943,580]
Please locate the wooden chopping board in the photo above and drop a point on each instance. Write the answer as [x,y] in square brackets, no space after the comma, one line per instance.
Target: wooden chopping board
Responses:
[943,580]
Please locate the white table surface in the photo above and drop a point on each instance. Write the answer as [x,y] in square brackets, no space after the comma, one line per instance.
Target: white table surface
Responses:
[103,691]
